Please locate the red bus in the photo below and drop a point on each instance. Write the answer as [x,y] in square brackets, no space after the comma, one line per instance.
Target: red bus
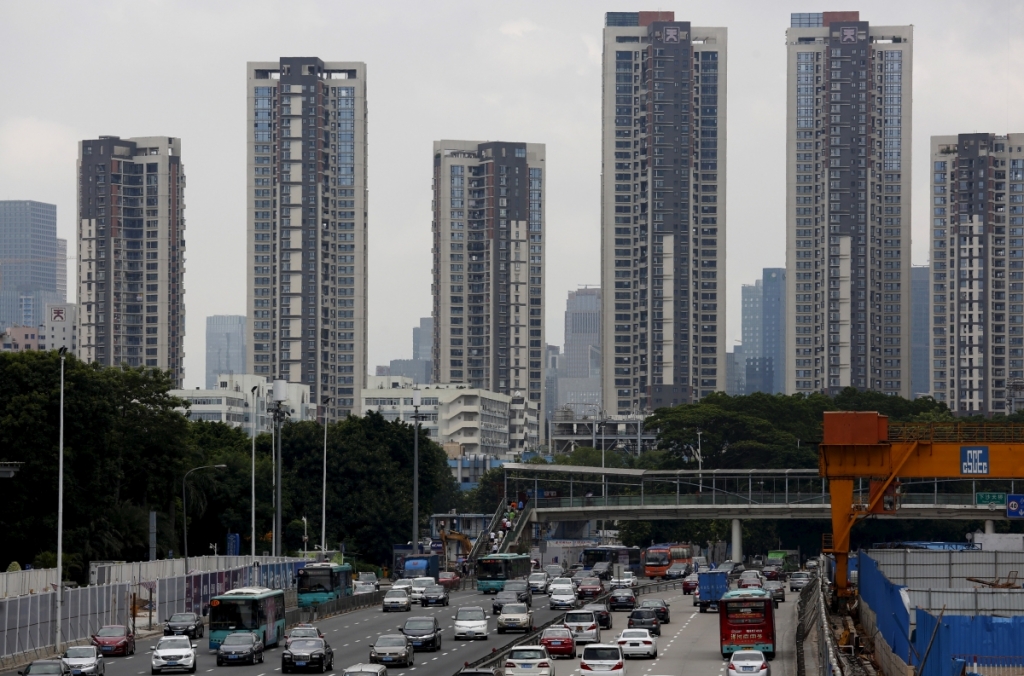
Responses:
[658,558]
[746,621]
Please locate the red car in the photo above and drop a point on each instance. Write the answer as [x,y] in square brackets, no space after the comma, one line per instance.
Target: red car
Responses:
[771,573]
[749,583]
[559,642]
[114,639]
[449,580]
[590,588]
[690,583]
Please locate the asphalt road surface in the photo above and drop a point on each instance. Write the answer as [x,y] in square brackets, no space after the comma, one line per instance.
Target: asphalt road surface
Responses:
[688,645]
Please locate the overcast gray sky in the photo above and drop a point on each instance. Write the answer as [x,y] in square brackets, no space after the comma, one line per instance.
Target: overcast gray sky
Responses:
[519,71]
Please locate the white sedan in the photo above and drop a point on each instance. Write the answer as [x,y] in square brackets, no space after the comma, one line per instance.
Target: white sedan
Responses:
[637,643]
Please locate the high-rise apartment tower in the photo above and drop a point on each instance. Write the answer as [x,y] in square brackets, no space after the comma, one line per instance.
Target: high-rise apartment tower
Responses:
[31,261]
[848,162]
[131,252]
[977,252]
[663,217]
[773,324]
[307,234]
[752,296]
[488,266]
[225,347]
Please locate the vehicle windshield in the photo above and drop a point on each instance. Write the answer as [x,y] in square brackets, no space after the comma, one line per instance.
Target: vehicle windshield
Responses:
[446,576]
[470,614]
[304,633]
[317,580]
[800,576]
[362,585]
[556,633]
[79,653]
[182,617]
[514,609]
[601,654]
[579,617]
[234,614]
[526,654]
[403,583]
[747,656]
[43,668]
[368,577]
[677,566]
[396,594]
[592,581]
[561,591]
[642,614]
[419,624]
[390,642]
[491,569]
[652,603]
[436,589]
[538,577]
[239,639]
[174,644]
[362,673]
[111,631]
[621,593]
[634,633]
[515,585]
[306,644]
[423,582]
[656,558]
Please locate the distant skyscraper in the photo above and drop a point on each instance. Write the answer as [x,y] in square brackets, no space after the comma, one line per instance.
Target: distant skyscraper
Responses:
[30,262]
[423,339]
[920,330]
[848,171]
[735,371]
[307,230]
[225,347]
[773,325]
[62,269]
[751,318]
[663,216]
[977,285]
[489,233]
[582,333]
[131,253]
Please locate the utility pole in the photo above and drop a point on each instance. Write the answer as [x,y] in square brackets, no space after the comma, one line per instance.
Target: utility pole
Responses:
[323,515]
[60,503]
[416,473]
[280,396]
[252,497]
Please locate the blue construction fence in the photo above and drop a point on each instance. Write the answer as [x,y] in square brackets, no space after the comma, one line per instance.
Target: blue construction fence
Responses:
[885,600]
[980,641]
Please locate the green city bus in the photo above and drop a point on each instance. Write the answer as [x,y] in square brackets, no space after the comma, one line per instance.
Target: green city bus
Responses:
[256,609]
[494,569]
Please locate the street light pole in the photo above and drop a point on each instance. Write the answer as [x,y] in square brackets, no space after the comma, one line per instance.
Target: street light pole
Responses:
[60,501]
[700,463]
[323,514]
[184,505]
[280,396]
[416,473]
[252,497]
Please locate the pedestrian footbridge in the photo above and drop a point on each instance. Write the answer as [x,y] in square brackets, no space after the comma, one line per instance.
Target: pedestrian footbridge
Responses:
[572,493]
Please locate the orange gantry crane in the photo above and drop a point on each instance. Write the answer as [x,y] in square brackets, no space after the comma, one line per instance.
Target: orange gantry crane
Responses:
[863,445]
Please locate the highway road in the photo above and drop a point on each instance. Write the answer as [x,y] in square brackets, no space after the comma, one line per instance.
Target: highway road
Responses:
[688,645]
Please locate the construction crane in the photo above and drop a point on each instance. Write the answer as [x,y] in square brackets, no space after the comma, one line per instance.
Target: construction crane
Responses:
[863,445]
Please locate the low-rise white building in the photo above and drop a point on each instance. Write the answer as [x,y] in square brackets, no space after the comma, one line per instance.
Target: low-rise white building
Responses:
[524,424]
[59,329]
[234,399]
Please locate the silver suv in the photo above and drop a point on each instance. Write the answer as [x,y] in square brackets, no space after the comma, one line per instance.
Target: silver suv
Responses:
[584,626]
[799,580]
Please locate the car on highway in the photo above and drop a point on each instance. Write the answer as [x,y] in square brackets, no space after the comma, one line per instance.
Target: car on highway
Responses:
[365,670]
[47,668]
[554,570]
[245,646]
[584,626]
[645,618]
[578,576]
[522,590]
[481,671]
[396,599]
[751,662]
[304,630]
[690,583]
[638,643]
[392,649]
[773,573]
[515,617]
[501,598]
[750,582]
[776,589]
[435,596]
[677,570]
[660,606]
[424,632]
[359,588]
[590,588]
[419,585]
[85,660]
[538,582]
[449,580]
[187,624]
[561,582]
[731,567]
[811,564]
[404,583]
[627,579]
[798,580]
[169,653]
[603,613]
[524,660]
[559,642]
[370,578]
[757,561]
[622,599]
[605,659]
[114,639]
[562,596]
[602,569]
[470,623]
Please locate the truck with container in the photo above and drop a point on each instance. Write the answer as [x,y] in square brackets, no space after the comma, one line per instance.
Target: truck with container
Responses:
[426,565]
[711,587]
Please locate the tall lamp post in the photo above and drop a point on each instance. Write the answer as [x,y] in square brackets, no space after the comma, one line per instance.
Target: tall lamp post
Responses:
[184,504]
[252,497]
[280,396]
[323,514]
[416,473]
[700,463]
[60,500]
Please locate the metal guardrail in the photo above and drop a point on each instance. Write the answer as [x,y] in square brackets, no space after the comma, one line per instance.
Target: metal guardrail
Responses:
[500,654]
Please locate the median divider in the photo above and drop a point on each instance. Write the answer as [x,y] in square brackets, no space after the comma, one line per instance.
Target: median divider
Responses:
[345,604]
[499,654]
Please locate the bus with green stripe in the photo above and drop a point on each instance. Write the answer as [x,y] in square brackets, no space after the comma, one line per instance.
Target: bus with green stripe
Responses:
[494,569]
[253,609]
[322,582]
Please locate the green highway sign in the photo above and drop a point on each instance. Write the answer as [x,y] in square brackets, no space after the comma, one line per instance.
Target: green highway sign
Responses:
[991,498]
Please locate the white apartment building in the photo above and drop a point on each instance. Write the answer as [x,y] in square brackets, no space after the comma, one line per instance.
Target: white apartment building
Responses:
[848,177]
[59,327]
[307,226]
[238,395]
